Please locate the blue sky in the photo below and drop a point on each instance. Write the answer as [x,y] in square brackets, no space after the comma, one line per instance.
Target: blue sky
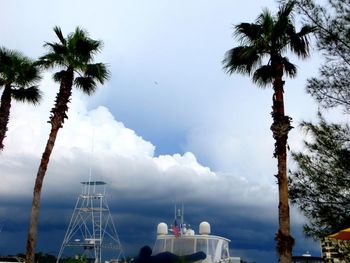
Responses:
[169,126]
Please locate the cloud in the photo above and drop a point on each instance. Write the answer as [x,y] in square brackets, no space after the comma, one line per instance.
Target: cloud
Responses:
[93,143]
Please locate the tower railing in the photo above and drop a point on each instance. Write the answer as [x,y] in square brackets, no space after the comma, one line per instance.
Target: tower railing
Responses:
[91,229]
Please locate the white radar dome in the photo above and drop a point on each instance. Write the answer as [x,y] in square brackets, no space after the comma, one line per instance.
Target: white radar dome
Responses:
[162,229]
[204,228]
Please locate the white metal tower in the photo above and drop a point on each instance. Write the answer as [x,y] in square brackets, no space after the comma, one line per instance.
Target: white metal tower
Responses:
[91,230]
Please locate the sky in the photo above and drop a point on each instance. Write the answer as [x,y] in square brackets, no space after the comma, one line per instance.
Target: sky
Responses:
[169,127]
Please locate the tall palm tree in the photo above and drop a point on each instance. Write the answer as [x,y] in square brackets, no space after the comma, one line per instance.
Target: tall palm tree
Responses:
[74,56]
[18,74]
[260,56]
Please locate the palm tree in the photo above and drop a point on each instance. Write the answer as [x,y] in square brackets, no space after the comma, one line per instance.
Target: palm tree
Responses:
[18,74]
[267,40]
[73,55]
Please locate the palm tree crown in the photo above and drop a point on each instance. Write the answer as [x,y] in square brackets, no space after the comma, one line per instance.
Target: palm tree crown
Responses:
[74,55]
[16,69]
[18,76]
[268,38]
[76,52]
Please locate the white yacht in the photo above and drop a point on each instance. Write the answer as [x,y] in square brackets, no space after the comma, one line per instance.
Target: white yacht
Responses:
[181,240]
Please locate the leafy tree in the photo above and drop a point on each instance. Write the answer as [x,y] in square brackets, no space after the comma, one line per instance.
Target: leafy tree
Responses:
[320,167]
[320,184]
[73,55]
[331,21]
[18,76]
[267,40]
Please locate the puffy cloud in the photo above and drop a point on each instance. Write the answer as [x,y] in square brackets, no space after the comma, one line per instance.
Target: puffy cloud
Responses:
[92,142]
[142,187]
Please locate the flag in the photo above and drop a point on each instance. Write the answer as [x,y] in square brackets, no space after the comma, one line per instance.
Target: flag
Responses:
[176,229]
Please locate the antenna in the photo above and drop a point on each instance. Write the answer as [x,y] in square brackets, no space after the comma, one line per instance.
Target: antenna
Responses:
[90,158]
[182,214]
[179,217]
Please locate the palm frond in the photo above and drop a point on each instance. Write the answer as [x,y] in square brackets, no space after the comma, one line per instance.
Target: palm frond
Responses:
[306,30]
[97,71]
[10,62]
[28,73]
[241,59]
[263,75]
[299,42]
[284,26]
[32,94]
[279,33]
[247,33]
[5,58]
[17,69]
[86,84]
[82,46]
[289,68]
[51,60]
[57,48]
[286,10]
[57,52]
[266,22]
[7,55]
[59,76]
[59,34]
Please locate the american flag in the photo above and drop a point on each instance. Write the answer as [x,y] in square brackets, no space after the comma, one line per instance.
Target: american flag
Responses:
[176,229]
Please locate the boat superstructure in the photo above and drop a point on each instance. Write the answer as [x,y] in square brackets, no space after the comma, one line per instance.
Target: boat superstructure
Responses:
[181,240]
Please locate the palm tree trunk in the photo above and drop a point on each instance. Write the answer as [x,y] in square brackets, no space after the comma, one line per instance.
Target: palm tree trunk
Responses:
[4,113]
[280,128]
[284,240]
[56,119]
[32,234]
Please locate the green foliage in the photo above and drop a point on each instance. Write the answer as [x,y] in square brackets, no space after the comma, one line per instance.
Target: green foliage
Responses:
[331,20]
[73,55]
[267,40]
[44,258]
[19,74]
[75,52]
[320,184]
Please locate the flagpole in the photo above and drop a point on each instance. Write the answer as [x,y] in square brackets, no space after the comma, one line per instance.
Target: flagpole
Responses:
[182,213]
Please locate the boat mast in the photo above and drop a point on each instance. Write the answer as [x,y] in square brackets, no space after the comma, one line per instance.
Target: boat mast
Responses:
[182,215]
[179,218]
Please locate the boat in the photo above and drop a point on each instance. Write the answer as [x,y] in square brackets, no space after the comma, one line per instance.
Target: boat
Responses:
[181,240]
